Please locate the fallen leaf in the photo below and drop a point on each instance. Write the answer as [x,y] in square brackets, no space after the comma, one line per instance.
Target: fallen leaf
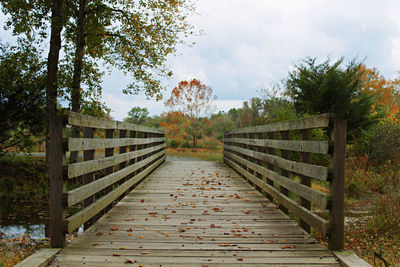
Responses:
[95,244]
[239,259]
[116,255]
[142,200]
[130,230]
[99,234]
[114,228]
[130,261]
[145,252]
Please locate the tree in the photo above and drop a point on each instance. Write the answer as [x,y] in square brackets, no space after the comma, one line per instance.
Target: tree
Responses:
[386,96]
[329,87]
[195,100]
[133,36]
[22,96]
[137,115]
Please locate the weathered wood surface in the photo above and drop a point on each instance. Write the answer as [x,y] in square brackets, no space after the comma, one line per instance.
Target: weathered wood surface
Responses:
[195,213]
[320,121]
[320,147]
[102,123]
[40,258]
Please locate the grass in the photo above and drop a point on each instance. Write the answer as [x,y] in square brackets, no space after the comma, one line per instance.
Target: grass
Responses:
[197,153]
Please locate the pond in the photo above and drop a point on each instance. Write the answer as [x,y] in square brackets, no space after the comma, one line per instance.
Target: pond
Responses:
[19,218]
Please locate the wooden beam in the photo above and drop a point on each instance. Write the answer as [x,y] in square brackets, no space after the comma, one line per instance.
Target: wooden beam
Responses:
[320,121]
[306,215]
[306,192]
[314,171]
[74,144]
[336,215]
[83,120]
[76,195]
[80,168]
[79,218]
[318,147]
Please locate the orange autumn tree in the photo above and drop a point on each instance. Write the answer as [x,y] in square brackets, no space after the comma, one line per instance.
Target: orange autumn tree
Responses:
[385,92]
[195,100]
[174,123]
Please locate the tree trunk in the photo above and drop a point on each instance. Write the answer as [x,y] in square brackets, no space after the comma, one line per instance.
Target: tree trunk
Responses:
[78,63]
[51,106]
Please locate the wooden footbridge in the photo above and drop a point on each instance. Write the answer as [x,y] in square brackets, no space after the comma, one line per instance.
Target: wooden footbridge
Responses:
[257,208]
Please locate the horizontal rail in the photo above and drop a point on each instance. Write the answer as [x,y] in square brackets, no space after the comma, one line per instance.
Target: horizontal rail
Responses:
[81,168]
[75,221]
[306,192]
[76,144]
[303,213]
[85,191]
[320,121]
[309,170]
[318,147]
[83,120]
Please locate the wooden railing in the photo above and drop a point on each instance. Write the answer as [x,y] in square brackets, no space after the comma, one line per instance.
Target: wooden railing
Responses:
[284,169]
[101,177]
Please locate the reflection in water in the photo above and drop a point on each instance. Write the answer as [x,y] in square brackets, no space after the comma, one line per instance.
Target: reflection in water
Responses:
[32,231]
[19,218]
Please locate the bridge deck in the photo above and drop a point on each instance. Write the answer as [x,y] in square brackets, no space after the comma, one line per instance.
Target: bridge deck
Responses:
[195,213]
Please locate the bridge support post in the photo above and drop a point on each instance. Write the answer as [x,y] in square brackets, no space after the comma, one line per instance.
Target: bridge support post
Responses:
[336,215]
[56,159]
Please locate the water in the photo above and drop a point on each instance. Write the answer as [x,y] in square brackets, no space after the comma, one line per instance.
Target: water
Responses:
[20,218]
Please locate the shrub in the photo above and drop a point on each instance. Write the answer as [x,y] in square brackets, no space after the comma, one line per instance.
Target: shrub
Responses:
[186,144]
[383,220]
[173,143]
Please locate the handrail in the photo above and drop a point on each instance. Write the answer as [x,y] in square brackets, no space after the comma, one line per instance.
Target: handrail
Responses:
[112,165]
[283,169]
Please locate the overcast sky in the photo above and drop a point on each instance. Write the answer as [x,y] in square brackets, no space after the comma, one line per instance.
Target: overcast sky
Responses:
[252,43]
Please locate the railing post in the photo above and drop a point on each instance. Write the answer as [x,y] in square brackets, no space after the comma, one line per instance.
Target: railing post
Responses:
[336,215]
[56,159]
[306,158]
[89,177]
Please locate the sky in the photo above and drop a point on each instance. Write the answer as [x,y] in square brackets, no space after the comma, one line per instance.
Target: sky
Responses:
[248,44]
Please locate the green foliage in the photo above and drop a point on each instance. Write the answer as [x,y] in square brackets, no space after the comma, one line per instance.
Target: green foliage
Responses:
[22,96]
[380,143]
[137,115]
[330,87]
[23,178]
[221,123]
[173,143]
[186,144]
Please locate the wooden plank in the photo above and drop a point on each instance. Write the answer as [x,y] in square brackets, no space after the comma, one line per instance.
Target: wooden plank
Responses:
[80,168]
[40,258]
[74,144]
[319,121]
[88,177]
[304,180]
[285,154]
[336,214]
[76,195]
[222,219]
[103,123]
[349,259]
[317,197]
[309,170]
[57,159]
[319,147]
[306,215]
[79,218]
